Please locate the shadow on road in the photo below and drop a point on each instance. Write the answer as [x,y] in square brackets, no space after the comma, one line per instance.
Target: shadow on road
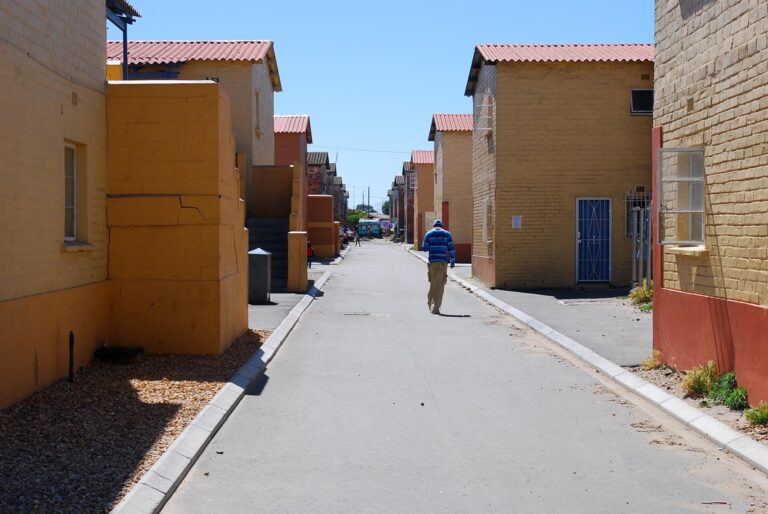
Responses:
[454,315]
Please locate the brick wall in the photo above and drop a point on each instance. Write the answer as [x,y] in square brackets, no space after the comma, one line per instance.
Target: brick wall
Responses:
[424,200]
[483,181]
[453,170]
[564,131]
[53,91]
[712,92]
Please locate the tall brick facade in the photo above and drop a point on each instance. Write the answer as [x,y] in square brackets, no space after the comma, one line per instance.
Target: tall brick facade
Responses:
[711,301]
[546,135]
[453,186]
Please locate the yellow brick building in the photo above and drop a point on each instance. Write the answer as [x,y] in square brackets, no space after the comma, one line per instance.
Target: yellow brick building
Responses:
[452,134]
[560,137]
[65,186]
[423,162]
[711,129]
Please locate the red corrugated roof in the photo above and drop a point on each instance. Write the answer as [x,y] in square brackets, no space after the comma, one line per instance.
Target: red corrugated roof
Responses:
[450,123]
[169,52]
[174,52]
[556,53]
[576,53]
[294,124]
[423,157]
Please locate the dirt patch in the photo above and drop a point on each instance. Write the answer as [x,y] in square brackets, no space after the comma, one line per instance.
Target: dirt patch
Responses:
[81,447]
[671,381]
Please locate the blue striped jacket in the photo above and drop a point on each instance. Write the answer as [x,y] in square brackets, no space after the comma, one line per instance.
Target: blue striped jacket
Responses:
[439,243]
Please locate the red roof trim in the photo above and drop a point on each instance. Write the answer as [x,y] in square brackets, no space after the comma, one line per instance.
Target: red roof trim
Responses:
[423,157]
[147,53]
[490,54]
[450,123]
[293,124]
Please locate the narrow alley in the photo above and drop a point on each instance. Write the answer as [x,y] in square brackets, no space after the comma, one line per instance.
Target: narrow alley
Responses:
[373,404]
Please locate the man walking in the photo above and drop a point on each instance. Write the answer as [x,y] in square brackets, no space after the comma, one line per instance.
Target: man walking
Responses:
[439,243]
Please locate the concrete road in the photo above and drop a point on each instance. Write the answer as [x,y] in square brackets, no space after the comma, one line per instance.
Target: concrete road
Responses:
[375,405]
[602,320]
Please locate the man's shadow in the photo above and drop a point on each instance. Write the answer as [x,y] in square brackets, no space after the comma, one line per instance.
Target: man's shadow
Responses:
[454,315]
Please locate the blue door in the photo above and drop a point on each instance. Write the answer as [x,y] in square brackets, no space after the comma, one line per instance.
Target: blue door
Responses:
[593,240]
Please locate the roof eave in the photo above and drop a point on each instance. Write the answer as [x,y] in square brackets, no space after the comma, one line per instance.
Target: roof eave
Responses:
[474,71]
[274,73]
[432,130]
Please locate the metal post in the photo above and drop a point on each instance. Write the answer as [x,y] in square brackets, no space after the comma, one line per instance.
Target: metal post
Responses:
[125,52]
[71,357]
[649,246]
[635,253]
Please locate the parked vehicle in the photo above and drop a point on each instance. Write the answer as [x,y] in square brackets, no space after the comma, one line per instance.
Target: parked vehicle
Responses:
[369,228]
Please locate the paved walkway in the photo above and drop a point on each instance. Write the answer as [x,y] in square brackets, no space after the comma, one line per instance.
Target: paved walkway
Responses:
[602,320]
[375,405]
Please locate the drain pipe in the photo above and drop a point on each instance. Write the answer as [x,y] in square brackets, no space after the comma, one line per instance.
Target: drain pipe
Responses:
[71,357]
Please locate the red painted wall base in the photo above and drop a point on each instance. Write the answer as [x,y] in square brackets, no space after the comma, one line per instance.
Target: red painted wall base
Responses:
[691,329]
[463,252]
[484,268]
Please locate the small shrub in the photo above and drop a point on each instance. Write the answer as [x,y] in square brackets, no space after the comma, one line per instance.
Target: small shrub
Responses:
[723,387]
[646,307]
[642,293]
[698,381]
[737,400]
[758,415]
[654,361]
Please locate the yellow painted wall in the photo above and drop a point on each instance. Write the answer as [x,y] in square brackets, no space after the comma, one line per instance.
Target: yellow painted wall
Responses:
[553,144]
[52,74]
[712,92]
[177,254]
[252,119]
[269,192]
[320,225]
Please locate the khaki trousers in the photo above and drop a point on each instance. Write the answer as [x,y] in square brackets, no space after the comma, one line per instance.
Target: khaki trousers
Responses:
[437,272]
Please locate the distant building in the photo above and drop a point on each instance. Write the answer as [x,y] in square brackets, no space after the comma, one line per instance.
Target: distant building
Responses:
[318,168]
[560,140]
[452,134]
[409,177]
[424,195]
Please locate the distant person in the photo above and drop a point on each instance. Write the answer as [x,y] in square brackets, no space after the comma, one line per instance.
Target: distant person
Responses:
[439,243]
[357,238]
[310,254]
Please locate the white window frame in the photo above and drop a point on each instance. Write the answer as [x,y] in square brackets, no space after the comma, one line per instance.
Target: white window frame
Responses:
[661,211]
[73,237]
[632,109]
[485,114]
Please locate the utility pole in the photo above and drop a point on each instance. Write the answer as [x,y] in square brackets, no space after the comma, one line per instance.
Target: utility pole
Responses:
[369,199]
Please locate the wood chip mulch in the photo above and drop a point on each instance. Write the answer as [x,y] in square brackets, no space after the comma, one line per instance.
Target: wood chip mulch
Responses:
[81,447]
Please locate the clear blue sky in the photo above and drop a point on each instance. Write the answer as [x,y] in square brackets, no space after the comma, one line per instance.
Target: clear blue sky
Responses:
[371,75]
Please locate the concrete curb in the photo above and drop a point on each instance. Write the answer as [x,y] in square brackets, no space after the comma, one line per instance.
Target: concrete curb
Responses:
[739,444]
[157,485]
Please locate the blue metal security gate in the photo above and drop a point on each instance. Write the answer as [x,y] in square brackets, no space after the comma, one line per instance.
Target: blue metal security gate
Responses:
[593,240]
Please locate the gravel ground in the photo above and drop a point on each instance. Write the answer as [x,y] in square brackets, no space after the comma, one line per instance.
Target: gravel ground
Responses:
[81,447]
[672,380]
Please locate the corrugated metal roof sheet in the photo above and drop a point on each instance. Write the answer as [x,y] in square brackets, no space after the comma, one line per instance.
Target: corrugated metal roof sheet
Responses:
[337,181]
[450,123]
[123,7]
[293,124]
[175,52]
[317,158]
[569,53]
[556,53]
[408,166]
[332,167]
[169,52]
[399,180]
[423,157]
